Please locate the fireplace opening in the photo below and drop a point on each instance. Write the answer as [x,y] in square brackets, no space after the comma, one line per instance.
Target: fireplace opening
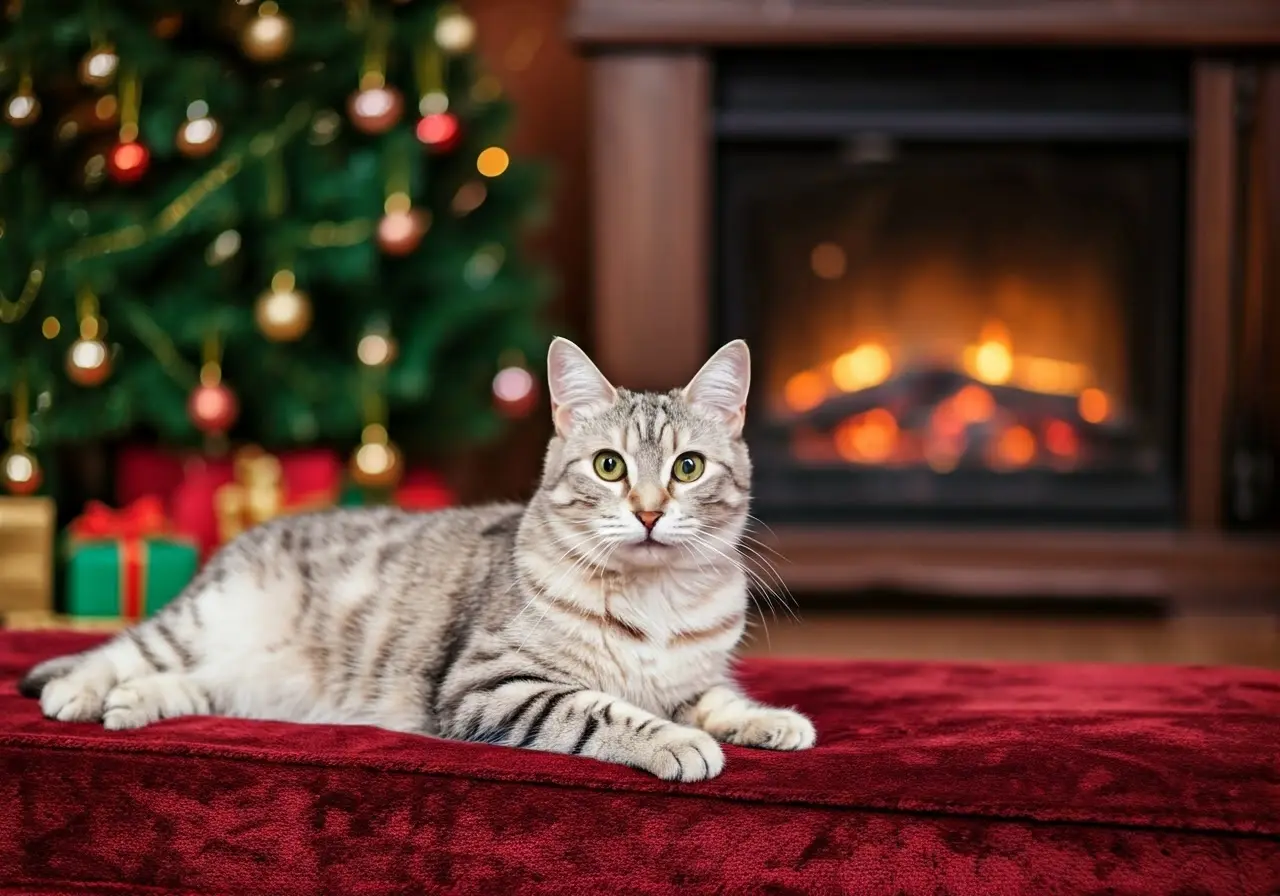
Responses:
[964,304]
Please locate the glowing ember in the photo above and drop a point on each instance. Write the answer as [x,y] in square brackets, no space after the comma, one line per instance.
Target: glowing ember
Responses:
[1094,405]
[974,404]
[868,438]
[1060,439]
[1016,447]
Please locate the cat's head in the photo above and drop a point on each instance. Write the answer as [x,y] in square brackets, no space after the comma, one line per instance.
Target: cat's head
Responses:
[646,478]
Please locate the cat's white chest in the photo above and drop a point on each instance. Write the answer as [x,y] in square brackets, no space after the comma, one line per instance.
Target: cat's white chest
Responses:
[659,669]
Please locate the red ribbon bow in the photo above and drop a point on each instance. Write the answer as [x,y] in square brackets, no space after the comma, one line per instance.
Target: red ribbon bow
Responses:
[130,526]
[144,518]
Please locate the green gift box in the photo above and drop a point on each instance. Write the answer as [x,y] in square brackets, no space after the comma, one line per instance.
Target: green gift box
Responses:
[125,563]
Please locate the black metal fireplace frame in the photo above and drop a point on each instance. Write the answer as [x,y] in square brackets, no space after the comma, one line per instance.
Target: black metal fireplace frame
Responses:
[792,102]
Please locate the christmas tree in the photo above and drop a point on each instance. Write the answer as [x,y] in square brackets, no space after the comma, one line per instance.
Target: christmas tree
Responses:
[285,224]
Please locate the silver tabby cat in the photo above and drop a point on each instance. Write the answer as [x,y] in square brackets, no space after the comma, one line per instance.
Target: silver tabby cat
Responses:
[598,620]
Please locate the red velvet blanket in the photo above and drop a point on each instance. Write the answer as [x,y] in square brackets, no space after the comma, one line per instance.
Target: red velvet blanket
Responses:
[928,779]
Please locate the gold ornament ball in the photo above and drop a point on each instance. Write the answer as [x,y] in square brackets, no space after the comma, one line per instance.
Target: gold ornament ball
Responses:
[197,137]
[88,362]
[99,66]
[455,32]
[400,232]
[283,315]
[376,349]
[22,109]
[269,36]
[375,110]
[377,464]
[20,471]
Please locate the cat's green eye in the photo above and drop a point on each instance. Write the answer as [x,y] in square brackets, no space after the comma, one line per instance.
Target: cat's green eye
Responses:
[689,467]
[609,466]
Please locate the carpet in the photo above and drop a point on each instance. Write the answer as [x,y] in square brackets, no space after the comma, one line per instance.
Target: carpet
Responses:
[928,778]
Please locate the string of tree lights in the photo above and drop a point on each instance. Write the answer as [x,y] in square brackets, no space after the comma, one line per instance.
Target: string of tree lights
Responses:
[283,223]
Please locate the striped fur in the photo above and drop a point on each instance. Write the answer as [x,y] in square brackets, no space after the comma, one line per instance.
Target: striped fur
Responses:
[562,625]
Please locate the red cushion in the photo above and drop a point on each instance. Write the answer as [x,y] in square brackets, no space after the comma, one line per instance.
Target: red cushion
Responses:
[928,778]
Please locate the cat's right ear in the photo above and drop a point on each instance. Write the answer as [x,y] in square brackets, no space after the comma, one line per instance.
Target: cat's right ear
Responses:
[578,388]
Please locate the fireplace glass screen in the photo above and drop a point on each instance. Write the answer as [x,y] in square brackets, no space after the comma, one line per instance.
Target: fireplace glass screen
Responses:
[975,331]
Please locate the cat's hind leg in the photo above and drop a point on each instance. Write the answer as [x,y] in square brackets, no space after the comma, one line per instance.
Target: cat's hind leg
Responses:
[165,695]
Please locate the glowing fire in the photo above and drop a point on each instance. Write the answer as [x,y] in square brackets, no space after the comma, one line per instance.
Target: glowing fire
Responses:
[983,415]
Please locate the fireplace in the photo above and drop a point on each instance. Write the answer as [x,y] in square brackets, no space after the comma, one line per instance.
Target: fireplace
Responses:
[1010,274]
[964,307]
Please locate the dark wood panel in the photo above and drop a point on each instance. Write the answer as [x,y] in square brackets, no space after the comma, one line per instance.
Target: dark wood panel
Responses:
[1213,232]
[1200,23]
[1258,381]
[524,45]
[651,231]
[1183,566]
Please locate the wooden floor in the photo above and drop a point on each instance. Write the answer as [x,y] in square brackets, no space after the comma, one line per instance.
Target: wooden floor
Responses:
[1214,641]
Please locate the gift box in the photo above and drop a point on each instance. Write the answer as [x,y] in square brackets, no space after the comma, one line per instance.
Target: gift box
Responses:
[26,555]
[211,500]
[126,563]
[424,490]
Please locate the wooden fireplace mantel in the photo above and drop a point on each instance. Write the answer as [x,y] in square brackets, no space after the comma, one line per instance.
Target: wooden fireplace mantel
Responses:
[652,70]
[1190,23]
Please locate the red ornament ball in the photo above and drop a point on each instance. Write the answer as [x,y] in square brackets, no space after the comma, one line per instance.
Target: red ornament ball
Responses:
[514,392]
[375,110]
[440,130]
[20,472]
[400,232]
[128,162]
[213,409]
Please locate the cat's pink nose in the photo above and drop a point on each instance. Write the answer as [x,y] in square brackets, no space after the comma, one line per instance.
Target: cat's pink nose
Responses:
[649,518]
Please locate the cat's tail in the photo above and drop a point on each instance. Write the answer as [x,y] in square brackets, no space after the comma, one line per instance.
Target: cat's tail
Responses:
[32,684]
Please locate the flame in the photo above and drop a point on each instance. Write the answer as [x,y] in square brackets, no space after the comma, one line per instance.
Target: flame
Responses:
[1049,375]
[1094,405]
[804,391]
[867,438]
[867,365]
[991,360]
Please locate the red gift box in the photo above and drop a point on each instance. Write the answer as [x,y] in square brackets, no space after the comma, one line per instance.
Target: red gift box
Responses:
[424,490]
[189,483]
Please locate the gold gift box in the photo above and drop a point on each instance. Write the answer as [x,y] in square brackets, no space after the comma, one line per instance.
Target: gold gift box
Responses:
[26,555]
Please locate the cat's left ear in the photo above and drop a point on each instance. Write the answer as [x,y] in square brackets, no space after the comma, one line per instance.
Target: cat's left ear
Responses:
[720,387]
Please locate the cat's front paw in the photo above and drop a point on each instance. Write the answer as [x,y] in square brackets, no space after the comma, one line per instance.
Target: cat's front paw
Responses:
[769,729]
[71,700]
[679,753]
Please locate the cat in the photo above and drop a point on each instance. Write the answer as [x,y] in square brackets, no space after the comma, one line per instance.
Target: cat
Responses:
[599,620]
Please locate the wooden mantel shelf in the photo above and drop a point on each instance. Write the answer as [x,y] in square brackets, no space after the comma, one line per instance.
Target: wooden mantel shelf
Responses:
[1188,23]
[1193,568]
